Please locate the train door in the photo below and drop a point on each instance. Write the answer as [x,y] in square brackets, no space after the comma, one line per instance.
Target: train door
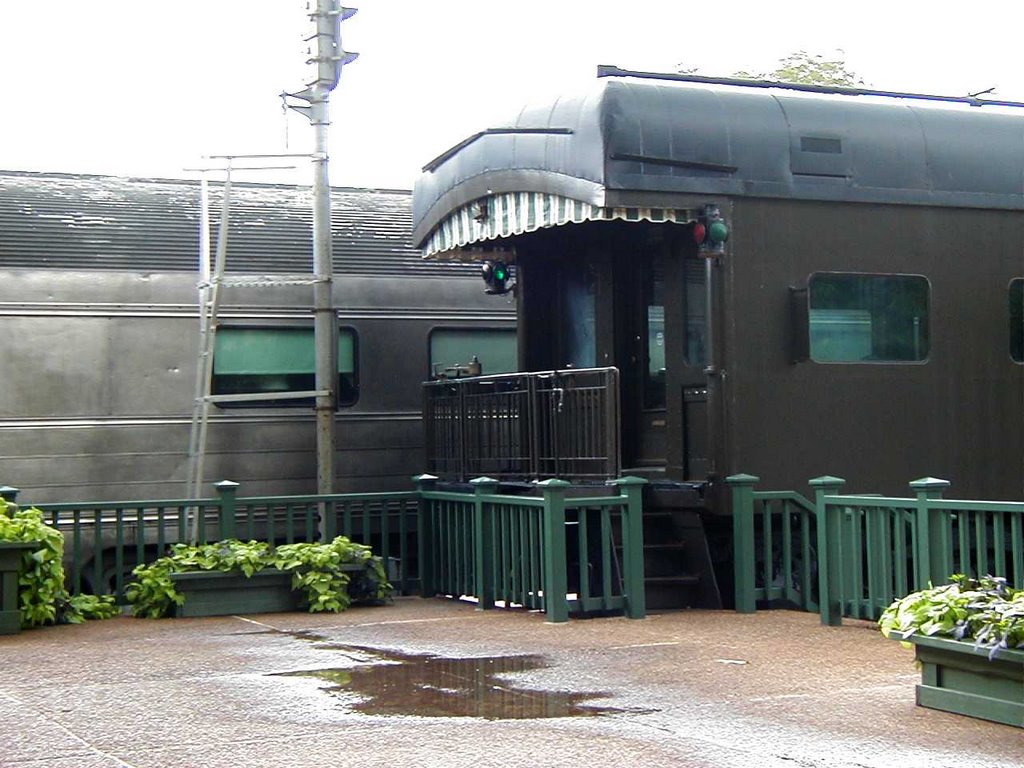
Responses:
[661,352]
[648,361]
[695,443]
[642,339]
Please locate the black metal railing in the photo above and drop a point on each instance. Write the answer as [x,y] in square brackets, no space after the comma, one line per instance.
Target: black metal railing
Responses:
[526,426]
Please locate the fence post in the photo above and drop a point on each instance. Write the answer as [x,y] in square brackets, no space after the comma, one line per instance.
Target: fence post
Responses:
[483,549]
[9,494]
[829,530]
[932,543]
[227,490]
[424,533]
[556,584]
[633,545]
[743,557]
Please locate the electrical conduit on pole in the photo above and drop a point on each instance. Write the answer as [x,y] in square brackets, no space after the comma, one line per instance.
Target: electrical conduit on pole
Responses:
[324,323]
[329,59]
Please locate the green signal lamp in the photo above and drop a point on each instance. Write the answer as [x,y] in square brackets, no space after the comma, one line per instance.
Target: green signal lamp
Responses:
[495,275]
[711,231]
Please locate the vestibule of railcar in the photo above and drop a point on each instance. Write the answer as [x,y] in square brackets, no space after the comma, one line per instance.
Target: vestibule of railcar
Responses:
[630,295]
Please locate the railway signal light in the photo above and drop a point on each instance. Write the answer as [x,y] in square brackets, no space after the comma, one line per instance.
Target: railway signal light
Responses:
[710,231]
[496,274]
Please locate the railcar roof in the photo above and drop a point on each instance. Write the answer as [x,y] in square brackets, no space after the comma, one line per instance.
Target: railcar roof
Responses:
[643,143]
[65,221]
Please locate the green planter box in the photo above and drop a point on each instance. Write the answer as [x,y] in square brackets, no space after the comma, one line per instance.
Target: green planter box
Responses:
[219,593]
[216,593]
[10,564]
[957,677]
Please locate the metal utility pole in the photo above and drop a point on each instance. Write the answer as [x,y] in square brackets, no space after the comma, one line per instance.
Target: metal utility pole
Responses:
[329,58]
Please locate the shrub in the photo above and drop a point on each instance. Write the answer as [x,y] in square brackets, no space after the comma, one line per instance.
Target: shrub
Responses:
[985,610]
[315,568]
[42,597]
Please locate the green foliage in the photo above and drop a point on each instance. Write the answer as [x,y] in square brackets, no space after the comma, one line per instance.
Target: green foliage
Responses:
[80,608]
[986,610]
[152,594]
[41,594]
[809,69]
[315,568]
[802,68]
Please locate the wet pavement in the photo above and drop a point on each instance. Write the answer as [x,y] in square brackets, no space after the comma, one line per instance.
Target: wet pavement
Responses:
[439,683]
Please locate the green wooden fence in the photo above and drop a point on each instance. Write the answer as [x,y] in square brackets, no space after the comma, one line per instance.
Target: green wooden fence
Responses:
[507,550]
[774,546]
[852,555]
[587,552]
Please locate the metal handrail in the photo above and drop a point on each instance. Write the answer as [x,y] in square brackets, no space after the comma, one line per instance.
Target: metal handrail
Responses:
[524,426]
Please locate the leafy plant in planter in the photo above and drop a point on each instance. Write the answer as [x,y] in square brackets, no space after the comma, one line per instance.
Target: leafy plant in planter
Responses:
[953,628]
[985,610]
[323,573]
[42,597]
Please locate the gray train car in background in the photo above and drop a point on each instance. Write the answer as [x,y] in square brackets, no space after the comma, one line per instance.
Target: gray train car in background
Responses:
[99,337]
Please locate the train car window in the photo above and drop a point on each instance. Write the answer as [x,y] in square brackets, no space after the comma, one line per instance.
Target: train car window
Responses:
[453,349]
[264,360]
[654,378]
[856,318]
[1017,320]
[579,316]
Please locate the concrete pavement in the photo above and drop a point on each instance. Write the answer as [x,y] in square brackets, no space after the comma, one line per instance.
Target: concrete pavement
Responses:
[690,688]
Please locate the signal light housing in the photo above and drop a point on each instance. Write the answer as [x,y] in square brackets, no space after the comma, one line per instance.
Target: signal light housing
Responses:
[496,275]
[711,232]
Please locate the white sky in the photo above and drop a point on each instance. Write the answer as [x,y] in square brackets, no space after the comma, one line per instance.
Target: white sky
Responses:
[136,87]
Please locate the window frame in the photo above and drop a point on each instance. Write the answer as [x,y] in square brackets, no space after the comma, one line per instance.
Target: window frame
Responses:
[353,388]
[805,337]
[433,374]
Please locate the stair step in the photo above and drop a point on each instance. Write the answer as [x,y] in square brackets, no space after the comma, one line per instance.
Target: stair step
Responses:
[671,592]
[680,579]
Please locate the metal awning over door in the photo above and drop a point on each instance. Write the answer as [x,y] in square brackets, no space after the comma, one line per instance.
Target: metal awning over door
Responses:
[514,213]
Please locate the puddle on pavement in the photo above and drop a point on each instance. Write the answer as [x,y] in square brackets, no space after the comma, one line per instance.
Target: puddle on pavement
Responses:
[390,683]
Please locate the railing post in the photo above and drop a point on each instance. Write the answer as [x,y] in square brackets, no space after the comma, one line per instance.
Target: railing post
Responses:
[633,545]
[483,540]
[462,424]
[227,490]
[932,544]
[743,558]
[533,416]
[613,422]
[9,494]
[424,533]
[829,530]
[556,584]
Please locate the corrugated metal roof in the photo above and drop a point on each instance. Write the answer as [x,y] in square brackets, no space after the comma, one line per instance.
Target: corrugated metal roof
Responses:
[64,221]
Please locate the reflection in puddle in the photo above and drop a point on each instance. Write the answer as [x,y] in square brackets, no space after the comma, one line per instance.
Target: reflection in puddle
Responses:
[435,686]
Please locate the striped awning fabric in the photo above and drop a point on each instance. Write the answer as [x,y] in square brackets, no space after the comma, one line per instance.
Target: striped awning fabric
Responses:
[514,213]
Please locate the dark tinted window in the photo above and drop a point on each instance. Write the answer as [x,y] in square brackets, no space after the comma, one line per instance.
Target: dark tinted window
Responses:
[868,318]
[272,360]
[496,350]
